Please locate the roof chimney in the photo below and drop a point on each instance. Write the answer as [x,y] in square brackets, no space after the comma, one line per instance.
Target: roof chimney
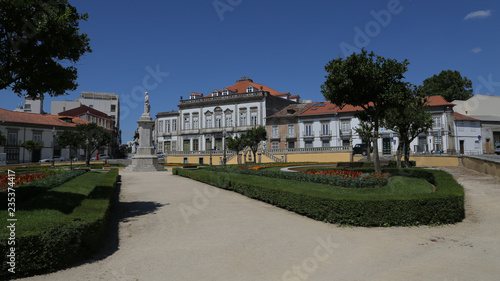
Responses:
[244,78]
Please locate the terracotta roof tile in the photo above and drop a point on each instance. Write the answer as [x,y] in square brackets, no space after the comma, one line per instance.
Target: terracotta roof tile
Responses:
[460,117]
[437,101]
[38,119]
[82,110]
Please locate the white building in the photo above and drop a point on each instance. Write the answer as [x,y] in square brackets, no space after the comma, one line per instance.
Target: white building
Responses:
[31,106]
[468,134]
[486,109]
[19,127]
[202,121]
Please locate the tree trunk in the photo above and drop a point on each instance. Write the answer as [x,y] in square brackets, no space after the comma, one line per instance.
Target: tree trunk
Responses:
[376,161]
[368,151]
[407,154]
[399,154]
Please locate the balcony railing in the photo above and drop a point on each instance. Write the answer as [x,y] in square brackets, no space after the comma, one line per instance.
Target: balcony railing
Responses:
[308,134]
[325,133]
[290,135]
[221,98]
[272,151]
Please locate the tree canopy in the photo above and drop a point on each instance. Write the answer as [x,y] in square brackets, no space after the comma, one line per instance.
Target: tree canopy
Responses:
[73,139]
[93,137]
[39,40]
[448,84]
[254,137]
[368,81]
[236,144]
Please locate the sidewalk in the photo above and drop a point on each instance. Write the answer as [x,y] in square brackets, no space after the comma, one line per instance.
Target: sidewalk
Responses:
[173,228]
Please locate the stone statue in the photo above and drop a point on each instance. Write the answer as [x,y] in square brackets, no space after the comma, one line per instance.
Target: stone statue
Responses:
[147,107]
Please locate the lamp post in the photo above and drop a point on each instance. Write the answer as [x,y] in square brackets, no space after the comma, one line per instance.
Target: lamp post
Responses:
[224,145]
[53,146]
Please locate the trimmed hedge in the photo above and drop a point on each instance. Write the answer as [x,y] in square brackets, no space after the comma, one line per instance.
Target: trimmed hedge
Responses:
[34,188]
[68,243]
[325,203]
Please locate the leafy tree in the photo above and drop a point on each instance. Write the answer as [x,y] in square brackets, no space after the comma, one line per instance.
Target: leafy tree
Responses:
[73,139]
[30,145]
[237,144]
[366,80]
[93,137]
[39,40]
[448,84]
[253,138]
[3,139]
[409,119]
[365,132]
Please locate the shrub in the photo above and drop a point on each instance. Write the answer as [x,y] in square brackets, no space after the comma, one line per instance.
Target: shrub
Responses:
[34,188]
[336,205]
[74,238]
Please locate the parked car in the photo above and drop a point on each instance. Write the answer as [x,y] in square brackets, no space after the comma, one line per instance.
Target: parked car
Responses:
[160,155]
[101,157]
[56,159]
[360,148]
[79,158]
[497,149]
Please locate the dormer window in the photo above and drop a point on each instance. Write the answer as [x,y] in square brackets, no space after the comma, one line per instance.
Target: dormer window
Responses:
[249,89]
[215,94]
[225,92]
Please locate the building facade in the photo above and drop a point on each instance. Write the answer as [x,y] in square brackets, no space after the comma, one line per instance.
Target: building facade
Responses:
[203,122]
[19,127]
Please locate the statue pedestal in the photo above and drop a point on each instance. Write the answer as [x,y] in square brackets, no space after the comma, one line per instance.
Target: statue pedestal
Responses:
[145,159]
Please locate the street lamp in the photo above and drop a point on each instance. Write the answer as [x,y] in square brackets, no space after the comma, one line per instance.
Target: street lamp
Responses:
[53,147]
[224,145]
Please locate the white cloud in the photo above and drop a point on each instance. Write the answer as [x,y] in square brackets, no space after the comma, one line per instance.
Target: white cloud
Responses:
[476,50]
[478,14]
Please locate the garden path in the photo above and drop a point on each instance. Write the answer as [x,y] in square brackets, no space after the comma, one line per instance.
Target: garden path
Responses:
[173,228]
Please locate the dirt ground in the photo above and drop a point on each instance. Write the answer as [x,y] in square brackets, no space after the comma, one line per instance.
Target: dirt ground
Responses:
[171,228]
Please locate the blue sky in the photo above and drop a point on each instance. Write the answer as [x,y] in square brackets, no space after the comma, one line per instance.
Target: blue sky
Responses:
[172,48]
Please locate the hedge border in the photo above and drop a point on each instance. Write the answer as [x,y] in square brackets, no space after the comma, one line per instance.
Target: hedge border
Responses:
[67,244]
[444,206]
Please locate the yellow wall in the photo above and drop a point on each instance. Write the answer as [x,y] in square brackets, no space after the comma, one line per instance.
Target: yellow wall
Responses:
[436,161]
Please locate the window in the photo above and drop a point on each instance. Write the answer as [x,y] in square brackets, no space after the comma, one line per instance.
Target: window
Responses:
[346,127]
[113,108]
[174,125]
[225,93]
[215,94]
[12,139]
[167,126]
[291,144]
[274,130]
[291,131]
[253,118]
[436,122]
[195,122]
[460,125]
[186,123]
[37,138]
[275,145]
[91,105]
[160,126]
[229,120]
[309,144]
[325,129]
[196,143]
[218,121]
[472,126]
[308,130]
[208,121]
[27,107]
[326,143]
[12,154]
[346,142]
[243,118]
[249,89]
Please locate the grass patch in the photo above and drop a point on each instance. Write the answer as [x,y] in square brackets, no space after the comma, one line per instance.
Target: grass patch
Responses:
[407,201]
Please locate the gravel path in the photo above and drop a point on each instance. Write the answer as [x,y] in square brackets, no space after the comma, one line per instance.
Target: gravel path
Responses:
[173,228]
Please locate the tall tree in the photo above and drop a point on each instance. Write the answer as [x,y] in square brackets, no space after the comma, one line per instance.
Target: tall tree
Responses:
[236,144]
[39,40]
[365,132]
[409,119]
[253,138]
[448,84]
[366,80]
[30,145]
[93,137]
[73,139]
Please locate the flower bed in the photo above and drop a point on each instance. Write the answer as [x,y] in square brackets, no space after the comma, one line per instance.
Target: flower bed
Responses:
[22,178]
[370,179]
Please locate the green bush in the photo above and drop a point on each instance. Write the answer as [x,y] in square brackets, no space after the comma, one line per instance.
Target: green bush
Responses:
[72,238]
[360,207]
[31,189]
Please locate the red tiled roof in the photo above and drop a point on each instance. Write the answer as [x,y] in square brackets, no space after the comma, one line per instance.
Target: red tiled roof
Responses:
[327,107]
[196,94]
[241,87]
[437,101]
[38,119]
[82,110]
[460,117]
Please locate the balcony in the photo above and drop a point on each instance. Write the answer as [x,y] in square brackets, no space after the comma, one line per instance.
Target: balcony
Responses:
[325,133]
[275,136]
[308,134]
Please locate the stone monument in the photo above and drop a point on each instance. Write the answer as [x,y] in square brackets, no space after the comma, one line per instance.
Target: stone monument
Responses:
[145,159]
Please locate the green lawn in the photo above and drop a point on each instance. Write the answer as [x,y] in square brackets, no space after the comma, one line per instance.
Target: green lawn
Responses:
[55,206]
